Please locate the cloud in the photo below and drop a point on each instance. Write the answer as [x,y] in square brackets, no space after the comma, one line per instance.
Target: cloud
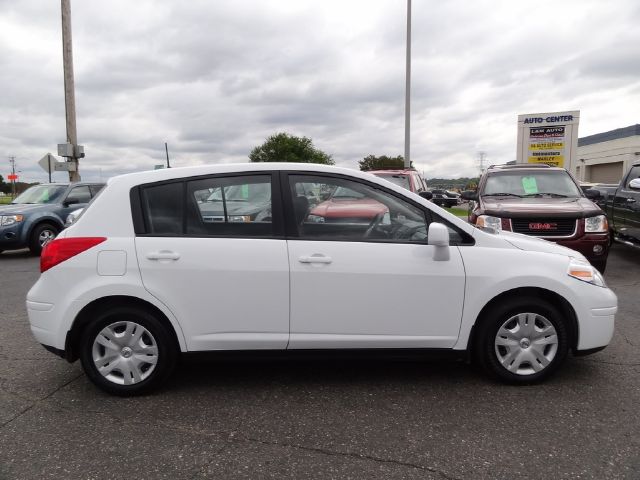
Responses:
[214,79]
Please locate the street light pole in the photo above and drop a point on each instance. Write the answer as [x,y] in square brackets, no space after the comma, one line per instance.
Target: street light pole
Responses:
[69,89]
[407,99]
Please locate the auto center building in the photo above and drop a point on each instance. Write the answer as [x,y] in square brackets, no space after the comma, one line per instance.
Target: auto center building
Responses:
[606,157]
[552,138]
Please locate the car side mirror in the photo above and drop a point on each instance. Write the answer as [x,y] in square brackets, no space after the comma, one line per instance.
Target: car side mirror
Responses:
[427,195]
[71,201]
[439,237]
[469,195]
[592,194]
[635,184]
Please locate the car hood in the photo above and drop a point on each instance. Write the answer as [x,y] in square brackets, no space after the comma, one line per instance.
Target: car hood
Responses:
[23,208]
[336,208]
[542,207]
[533,244]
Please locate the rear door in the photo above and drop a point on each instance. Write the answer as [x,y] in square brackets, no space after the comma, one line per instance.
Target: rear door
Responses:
[212,250]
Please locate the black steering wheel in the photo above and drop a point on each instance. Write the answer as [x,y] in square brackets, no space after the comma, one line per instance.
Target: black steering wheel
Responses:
[374,223]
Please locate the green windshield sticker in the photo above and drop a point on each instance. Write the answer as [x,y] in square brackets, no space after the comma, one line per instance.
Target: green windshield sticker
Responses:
[529,184]
[245,192]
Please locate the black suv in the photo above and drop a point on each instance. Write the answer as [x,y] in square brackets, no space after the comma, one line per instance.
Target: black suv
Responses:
[38,214]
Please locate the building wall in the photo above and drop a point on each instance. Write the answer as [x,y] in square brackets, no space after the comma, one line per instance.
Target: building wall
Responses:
[603,158]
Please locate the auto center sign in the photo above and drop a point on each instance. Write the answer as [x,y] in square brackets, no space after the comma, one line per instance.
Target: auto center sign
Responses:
[550,138]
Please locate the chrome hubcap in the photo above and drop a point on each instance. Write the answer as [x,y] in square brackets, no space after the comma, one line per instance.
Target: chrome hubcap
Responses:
[125,353]
[526,344]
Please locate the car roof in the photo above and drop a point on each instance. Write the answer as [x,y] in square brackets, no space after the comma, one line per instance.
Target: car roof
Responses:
[150,176]
[66,184]
[524,166]
[393,172]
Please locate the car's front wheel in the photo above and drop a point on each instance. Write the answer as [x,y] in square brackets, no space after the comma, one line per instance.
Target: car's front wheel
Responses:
[127,351]
[40,236]
[522,340]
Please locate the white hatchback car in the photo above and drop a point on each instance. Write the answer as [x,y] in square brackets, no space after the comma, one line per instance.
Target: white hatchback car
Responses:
[231,257]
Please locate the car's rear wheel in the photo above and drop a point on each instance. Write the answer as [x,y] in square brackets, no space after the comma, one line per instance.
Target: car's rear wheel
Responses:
[40,236]
[127,351]
[522,341]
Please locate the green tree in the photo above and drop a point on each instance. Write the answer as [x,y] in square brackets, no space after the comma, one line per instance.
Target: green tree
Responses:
[283,147]
[371,162]
[4,187]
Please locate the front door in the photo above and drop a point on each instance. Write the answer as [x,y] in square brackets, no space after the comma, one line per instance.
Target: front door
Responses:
[362,274]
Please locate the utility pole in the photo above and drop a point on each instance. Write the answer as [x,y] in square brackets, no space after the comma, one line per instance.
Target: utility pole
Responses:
[12,161]
[481,158]
[407,94]
[69,91]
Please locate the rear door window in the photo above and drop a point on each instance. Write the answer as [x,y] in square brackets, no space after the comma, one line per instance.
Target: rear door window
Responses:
[237,206]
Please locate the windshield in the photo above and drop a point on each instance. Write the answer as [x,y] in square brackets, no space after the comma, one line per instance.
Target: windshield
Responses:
[252,192]
[554,183]
[401,180]
[41,194]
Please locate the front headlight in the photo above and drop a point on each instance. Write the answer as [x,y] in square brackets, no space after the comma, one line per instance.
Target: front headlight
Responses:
[584,271]
[6,220]
[489,221]
[597,224]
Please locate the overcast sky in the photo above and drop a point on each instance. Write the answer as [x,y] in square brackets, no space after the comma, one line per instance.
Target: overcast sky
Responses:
[215,78]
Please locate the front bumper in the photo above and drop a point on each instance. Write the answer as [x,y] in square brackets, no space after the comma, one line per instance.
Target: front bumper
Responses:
[11,237]
[594,246]
[596,318]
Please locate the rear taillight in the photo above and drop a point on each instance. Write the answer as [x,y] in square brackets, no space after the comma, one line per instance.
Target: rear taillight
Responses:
[57,251]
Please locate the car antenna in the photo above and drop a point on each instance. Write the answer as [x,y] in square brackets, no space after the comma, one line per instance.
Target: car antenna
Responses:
[166,149]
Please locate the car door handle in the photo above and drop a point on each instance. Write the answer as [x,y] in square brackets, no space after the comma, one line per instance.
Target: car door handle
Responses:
[315,258]
[163,255]
[631,200]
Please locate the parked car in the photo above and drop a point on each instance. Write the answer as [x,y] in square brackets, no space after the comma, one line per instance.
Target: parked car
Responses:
[444,198]
[142,277]
[622,205]
[39,213]
[543,202]
[409,179]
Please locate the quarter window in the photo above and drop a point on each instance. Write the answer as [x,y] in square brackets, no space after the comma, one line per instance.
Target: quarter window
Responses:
[162,206]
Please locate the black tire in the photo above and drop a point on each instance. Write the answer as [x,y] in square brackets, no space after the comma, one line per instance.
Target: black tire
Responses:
[151,376]
[43,229]
[494,358]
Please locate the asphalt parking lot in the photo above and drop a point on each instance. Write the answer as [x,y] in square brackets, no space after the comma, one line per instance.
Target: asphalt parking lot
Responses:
[321,419]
